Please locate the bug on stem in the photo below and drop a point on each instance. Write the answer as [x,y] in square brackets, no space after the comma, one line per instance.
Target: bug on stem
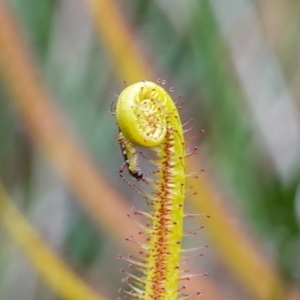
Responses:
[130,158]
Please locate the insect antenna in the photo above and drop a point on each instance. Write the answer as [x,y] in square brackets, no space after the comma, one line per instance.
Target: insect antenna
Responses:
[112,110]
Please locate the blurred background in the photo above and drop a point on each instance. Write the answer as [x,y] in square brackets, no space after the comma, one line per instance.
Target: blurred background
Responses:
[237,65]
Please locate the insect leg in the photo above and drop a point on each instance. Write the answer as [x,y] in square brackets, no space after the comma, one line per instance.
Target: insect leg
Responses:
[131,184]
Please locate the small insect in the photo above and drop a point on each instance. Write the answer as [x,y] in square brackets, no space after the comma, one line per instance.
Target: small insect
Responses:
[132,164]
[130,157]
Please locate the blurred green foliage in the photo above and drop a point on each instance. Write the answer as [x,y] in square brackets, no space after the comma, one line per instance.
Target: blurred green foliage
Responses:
[189,50]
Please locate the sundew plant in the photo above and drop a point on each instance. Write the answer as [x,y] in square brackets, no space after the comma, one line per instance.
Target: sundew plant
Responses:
[71,202]
[147,117]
